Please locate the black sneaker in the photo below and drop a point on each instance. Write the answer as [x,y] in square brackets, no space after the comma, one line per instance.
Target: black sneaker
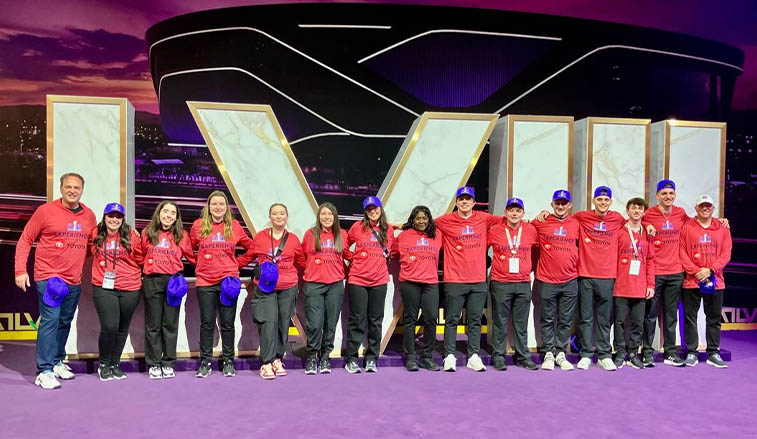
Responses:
[204,370]
[429,364]
[527,364]
[691,359]
[105,373]
[352,367]
[325,366]
[620,360]
[499,363]
[370,366]
[117,373]
[673,360]
[228,368]
[411,365]
[635,362]
[311,366]
[648,359]
[716,361]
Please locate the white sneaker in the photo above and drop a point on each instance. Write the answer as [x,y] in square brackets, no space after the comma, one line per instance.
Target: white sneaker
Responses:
[563,362]
[450,363]
[155,373]
[63,371]
[475,363]
[168,372]
[584,363]
[607,364]
[549,362]
[47,381]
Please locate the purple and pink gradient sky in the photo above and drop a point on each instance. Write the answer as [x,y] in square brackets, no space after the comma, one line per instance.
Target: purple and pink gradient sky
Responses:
[88,47]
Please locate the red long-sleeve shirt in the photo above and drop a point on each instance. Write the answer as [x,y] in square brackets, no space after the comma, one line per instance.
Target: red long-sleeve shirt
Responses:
[419,256]
[701,247]
[665,241]
[165,256]
[291,256]
[464,243]
[627,284]
[501,252]
[215,254]
[598,245]
[558,253]
[62,246]
[368,265]
[127,262]
[325,266]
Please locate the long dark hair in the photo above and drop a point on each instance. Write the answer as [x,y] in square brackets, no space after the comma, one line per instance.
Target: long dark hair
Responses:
[336,229]
[124,232]
[155,227]
[382,224]
[430,228]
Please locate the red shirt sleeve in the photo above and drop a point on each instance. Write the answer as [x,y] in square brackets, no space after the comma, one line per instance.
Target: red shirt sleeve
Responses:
[246,243]
[31,232]
[725,254]
[650,265]
[186,248]
[688,265]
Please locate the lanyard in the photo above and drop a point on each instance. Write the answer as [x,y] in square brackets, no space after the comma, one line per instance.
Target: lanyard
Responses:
[115,255]
[634,244]
[276,253]
[513,244]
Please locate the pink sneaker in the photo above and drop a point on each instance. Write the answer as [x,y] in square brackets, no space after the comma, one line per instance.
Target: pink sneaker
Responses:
[266,372]
[278,368]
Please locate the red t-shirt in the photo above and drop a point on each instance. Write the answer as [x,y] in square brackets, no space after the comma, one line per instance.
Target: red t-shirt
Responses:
[127,262]
[215,254]
[502,252]
[464,243]
[325,266]
[665,241]
[62,245]
[558,252]
[290,256]
[598,245]
[704,247]
[165,256]
[419,256]
[368,265]
[627,284]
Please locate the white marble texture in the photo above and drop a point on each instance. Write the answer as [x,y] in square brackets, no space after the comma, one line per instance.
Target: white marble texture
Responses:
[695,164]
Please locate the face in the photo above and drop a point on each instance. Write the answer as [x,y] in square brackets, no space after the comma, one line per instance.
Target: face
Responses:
[635,212]
[514,215]
[561,207]
[278,216]
[218,207]
[167,216]
[666,197]
[602,203]
[113,222]
[420,222]
[373,213]
[704,210]
[71,190]
[326,218]
[465,203]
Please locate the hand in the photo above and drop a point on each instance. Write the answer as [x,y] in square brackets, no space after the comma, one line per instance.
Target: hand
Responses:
[703,274]
[651,231]
[542,216]
[650,292]
[22,281]
[724,222]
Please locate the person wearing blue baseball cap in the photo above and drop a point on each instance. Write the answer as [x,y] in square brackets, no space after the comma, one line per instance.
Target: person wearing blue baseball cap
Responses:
[116,283]
[464,234]
[61,229]
[367,282]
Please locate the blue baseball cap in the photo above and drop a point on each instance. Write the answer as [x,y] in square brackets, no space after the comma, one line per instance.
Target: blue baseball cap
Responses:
[708,285]
[114,207]
[371,201]
[666,184]
[230,287]
[465,190]
[55,291]
[176,289]
[269,277]
[602,191]
[561,194]
[514,202]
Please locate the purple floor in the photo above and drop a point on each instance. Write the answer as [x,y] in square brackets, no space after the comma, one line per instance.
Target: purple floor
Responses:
[659,402]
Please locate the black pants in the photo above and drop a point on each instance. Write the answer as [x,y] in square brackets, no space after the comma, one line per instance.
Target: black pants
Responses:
[558,302]
[713,306]
[595,293]
[210,306]
[424,298]
[623,307]
[272,312]
[515,296]
[322,305]
[667,290]
[366,306]
[161,322]
[473,297]
[115,309]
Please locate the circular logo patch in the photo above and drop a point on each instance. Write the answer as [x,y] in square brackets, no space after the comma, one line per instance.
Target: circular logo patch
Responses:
[658,243]
[59,244]
[624,261]
[317,262]
[207,256]
[363,254]
[413,258]
[102,263]
[587,240]
[459,247]
[149,261]
[547,246]
[696,255]
[503,257]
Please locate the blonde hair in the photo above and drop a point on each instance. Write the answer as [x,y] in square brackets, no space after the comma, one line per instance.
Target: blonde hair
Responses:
[207,218]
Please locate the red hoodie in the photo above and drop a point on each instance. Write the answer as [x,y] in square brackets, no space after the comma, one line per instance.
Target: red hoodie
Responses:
[368,265]
[165,256]
[558,253]
[598,245]
[215,253]
[665,241]
[501,251]
[291,256]
[126,263]
[704,247]
[464,242]
[325,266]
[62,245]
[627,284]
[419,256]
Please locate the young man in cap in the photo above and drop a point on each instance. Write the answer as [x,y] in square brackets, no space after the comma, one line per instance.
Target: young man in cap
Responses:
[557,272]
[705,249]
[464,242]
[61,229]
[510,286]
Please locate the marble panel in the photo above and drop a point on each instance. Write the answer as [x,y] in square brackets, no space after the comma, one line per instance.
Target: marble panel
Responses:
[695,156]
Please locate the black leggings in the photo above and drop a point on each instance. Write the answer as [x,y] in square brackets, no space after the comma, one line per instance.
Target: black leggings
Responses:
[115,309]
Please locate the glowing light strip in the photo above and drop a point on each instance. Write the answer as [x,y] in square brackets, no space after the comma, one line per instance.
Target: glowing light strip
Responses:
[344,26]
[316,135]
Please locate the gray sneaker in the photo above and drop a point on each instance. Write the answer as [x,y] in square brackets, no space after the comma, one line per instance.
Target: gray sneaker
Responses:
[155,373]
[716,361]
[325,366]
[648,359]
[691,360]
[352,367]
[168,372]
[228,368]
[548,363]
[370,366]
[205,370]
[673,360]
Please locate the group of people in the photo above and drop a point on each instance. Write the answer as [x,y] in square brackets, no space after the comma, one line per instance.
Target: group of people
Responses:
[593,258]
